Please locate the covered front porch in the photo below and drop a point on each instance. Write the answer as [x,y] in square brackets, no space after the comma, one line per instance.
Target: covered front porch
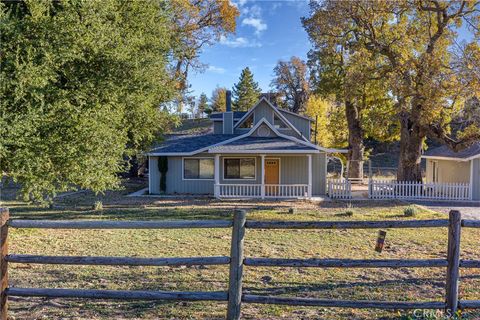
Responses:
[264,176]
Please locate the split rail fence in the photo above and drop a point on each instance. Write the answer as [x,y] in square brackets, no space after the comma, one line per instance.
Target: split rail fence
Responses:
[236,261]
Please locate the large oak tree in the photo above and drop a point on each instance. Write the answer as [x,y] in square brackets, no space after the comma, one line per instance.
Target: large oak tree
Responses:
[82,84]
[413,45]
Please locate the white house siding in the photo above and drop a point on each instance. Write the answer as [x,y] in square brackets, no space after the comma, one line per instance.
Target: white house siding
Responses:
[449,171]
[476,179]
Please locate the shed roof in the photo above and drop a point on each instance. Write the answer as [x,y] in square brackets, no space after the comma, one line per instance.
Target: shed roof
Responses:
[445,152]
[262,144]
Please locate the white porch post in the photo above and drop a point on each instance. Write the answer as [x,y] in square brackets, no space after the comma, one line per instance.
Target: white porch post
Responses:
[470,186]
[309,157]
[216,186]
[262,176]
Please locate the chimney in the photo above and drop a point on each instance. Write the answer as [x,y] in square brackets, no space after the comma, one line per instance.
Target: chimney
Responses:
[228,114]
[228,102]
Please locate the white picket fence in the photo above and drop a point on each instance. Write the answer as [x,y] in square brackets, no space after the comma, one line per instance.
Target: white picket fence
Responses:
[385,189]
[339,189]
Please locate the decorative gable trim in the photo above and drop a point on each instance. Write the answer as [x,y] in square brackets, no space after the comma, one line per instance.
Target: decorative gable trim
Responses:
[276,111]
[249,133]
[279,134]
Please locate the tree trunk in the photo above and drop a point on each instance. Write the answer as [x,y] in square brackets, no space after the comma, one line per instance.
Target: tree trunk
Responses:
[355,141]
[134,167]
[412,138]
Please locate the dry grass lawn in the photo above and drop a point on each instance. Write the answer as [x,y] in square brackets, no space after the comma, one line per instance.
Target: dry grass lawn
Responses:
[381,284]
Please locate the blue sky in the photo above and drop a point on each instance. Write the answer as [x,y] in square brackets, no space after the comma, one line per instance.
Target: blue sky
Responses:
[267,31]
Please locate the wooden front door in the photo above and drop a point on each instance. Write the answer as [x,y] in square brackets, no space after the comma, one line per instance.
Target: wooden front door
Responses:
[272,171]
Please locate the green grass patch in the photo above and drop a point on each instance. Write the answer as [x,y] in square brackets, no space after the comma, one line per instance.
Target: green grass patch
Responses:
[404,284]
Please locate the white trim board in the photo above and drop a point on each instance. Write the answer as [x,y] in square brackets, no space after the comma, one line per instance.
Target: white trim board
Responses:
[249,133]
[300,152]
[275,110]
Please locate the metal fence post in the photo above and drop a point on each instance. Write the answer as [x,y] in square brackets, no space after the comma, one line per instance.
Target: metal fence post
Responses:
[236,265]
[4,216]
[453,257]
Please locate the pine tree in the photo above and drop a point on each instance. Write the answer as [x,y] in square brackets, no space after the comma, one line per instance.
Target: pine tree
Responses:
[203,104]
[246,92]
[217,102]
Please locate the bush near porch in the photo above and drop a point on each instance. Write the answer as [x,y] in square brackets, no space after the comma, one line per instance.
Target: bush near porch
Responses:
[380,284]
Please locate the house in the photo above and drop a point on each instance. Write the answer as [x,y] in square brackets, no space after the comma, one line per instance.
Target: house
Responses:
[264,152]
[447,166]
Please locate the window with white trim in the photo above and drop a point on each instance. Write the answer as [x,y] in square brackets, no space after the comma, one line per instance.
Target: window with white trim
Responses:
[241,168]
[197,168]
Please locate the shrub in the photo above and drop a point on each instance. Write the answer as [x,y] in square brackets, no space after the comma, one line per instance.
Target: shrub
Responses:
[410,211]
[163,168]
[98,206]
[349,210]
[349,213]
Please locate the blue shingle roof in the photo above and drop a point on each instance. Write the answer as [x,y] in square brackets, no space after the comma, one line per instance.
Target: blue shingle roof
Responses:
[189,143]
[259,144]
[236,115]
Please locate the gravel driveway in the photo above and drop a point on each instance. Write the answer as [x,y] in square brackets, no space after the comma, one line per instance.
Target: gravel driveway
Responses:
[469,210]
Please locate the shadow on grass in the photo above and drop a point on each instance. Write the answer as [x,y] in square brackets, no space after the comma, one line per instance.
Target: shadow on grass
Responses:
[121,214]
[299,287]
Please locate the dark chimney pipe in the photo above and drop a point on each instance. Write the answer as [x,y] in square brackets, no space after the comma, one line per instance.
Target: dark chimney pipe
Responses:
[228,100]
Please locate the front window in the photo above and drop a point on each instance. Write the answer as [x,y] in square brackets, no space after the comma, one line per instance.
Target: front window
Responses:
[242,168]
[198,168]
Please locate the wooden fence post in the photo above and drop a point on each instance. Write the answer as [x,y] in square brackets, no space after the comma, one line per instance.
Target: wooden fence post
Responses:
[236,265]
[453,257]
[4,216]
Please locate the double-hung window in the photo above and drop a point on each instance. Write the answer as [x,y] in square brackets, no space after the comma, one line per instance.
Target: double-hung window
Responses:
[198,168]
[239,168]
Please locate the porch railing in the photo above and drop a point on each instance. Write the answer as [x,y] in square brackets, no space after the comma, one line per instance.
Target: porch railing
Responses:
[417,190]
[239,190]
[286,190]
[262,190]
[339,189]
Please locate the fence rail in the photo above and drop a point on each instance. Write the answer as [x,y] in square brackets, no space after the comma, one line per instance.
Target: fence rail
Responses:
[391,189]
[236,261]
[340,189]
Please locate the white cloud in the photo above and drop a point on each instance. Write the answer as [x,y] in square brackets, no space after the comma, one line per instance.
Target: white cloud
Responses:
[242,2]
[256,23]
[239,42]
[215,69]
